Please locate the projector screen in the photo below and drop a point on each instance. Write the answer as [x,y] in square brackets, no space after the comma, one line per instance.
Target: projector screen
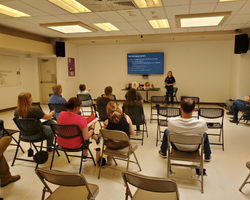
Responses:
[145,63]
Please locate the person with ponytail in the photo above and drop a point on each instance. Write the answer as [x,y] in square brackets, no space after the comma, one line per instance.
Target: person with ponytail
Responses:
[117,121]
[26,110]
[71,117]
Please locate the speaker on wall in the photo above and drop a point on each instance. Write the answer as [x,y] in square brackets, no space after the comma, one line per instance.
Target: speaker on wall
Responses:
[60,49]
[241,44]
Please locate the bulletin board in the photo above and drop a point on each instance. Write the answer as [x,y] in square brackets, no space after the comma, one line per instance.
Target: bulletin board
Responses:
[10,71]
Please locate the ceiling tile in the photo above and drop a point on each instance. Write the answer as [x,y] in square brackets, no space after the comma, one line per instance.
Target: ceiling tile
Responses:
[175,2]
[50,19]
[69,17]
[196,29]
[123,26]
[147,31]
[240,19]
[131,32]
[136,15]
[247,25]
[233,26]
[154,13]
[33,20]
[91,17]
[203,1]
[179,30]
[202,8]
[245,9]
[176,10]
[116,33]
[229,6]
[163,30]
[111,16]
[17,23]
[141,25]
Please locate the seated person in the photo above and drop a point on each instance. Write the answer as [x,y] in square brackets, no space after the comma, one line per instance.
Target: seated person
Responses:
[135,85]
[57,97]
[5,175]
[130,102]
[238,105]
[82,88]
[26,110]
[104,100]
[117,121]
[186,125]
[71,117]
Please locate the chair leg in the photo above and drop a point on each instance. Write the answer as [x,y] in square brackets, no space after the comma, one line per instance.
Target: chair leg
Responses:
[201,165]
[18,145]
[52,159]
[81,163]
[100,167]
[114,160]
[66,156]
[142,135]
[244,183]
[128,161]
[222,132]
[137,161]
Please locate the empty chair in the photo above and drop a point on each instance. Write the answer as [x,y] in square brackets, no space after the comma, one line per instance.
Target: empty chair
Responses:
[246,180]
[58,107]
[119,154]
[155,102]
[163,113]
[149,188]
[175,89]
[71,185]
[193,159]
[217,114]
[86,102]
[70,132]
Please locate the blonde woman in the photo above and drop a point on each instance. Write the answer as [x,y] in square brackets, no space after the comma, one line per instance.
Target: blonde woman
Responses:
[117,121]
[26,110]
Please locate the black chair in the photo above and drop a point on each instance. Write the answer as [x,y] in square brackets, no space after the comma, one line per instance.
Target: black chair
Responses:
[9,132]
[58,107]
[29,127]
[175,89]
[112,98]
[246,114]
[37,105]
[85,98]
[155,101]
[102,113]
[214,113]
[136,112]
[69,132]
[163,113]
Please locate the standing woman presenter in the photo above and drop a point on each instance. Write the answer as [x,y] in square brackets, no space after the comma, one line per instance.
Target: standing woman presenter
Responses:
[169,85]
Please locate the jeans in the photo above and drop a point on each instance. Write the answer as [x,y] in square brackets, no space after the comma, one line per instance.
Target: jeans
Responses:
[138,121]
[48,132]
[169,93]
[238,105]
[164,145]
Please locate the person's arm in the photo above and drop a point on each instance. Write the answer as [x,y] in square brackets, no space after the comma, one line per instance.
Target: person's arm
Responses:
[87,132]
[173,84]
[48,116]
[131,128]
[106,123]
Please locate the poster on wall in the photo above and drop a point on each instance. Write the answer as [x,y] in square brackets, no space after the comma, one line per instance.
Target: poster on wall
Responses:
[71,66]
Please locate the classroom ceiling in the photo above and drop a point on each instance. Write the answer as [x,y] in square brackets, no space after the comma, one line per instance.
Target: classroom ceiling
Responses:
[131,20]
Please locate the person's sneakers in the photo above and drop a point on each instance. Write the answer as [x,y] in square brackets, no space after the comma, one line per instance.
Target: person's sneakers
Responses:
[10,180]
[207,159]
[84,159]
[99,139]
[162,154]
[229,113]
[232,121]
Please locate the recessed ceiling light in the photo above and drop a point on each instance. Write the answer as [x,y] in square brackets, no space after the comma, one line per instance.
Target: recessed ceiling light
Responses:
[160,23]
[107,26]
[148,3]
[12,12]
[70,5]
[201,20]
[69,27]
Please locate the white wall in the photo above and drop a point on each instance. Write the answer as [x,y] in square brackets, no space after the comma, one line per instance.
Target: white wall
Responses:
[29,81]
[201,68]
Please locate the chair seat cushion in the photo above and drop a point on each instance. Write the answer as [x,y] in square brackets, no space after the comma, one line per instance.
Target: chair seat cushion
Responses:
[147,195]
[123,151]
[11,131]
[76,193]
[185,155]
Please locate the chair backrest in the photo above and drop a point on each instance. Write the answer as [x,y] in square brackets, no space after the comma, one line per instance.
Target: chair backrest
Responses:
[134,111]
[114,135]
[112,97]
[66,131]
[102,111]
[186,139]
[196,99]
[158,99]
[84,97]
[211,113]
[37,105]
[168,111]
[153,184]
[58,107]
[28,126]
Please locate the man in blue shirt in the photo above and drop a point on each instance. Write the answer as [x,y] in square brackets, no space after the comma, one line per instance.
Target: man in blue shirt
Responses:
[56,97]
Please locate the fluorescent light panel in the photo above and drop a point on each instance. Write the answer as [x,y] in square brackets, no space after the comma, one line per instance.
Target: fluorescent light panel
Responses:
[71,6]
[12,12]
[148,3]
[69,27]
[107,26]
[160,23]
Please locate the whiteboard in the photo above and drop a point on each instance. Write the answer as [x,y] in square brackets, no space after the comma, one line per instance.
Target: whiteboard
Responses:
[10,71]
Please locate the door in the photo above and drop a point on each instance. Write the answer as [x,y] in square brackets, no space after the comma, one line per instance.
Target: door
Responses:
[47,77]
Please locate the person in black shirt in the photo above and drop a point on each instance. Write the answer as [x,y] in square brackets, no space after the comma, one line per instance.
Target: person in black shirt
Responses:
[169,85]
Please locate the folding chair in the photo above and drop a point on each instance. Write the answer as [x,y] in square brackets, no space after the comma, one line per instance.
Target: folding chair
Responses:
[71,185]
[163,113]
[58,107]
[214,113]
[37,105]
[175,89]
[150,187]
[119,154]
[136,112]
[69,132]
[102,113]
[187,156]
[112,98]
[246,180]
[154,101]
[246,114]
[89,103]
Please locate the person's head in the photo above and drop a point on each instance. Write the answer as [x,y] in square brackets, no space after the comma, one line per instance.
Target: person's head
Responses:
[114,112]
[170,74]
[73,104]
[57,89]
[187,105]
[82,87]
[24,102]
[108,90]
[135,85]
